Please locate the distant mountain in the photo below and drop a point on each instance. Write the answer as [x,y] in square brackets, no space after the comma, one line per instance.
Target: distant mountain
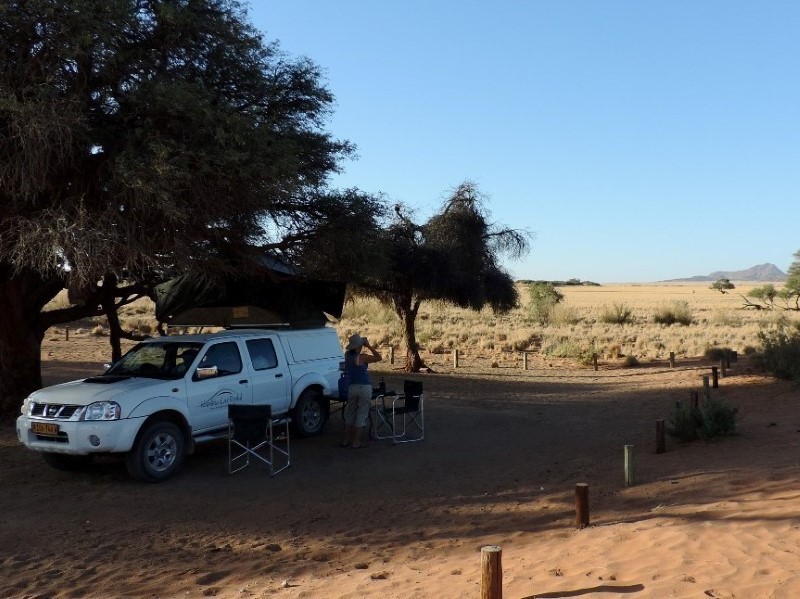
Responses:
[768,273]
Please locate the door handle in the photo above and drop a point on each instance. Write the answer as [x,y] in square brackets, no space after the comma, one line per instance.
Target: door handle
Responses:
[243,382]
[279,375]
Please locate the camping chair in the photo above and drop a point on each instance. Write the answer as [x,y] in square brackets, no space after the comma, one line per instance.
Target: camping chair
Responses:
[251,432]
[409,405]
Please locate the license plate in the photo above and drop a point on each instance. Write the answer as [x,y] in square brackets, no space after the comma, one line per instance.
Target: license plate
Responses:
[45,428]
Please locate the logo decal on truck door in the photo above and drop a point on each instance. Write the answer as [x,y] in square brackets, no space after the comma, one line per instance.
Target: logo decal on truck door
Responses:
[221,399]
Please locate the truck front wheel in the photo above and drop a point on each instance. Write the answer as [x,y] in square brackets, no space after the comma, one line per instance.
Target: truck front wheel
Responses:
[310,413]
[157,453]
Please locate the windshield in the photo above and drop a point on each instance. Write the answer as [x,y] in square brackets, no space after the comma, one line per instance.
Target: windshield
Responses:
[157,360]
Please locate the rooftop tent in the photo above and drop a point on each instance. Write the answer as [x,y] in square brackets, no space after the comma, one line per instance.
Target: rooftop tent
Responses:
[270,294]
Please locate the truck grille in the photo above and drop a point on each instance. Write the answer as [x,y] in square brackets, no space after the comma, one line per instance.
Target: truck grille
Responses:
[54,411]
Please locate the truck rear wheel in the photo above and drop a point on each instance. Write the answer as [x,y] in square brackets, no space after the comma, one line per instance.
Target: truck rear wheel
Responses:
[310,413]
[157,453]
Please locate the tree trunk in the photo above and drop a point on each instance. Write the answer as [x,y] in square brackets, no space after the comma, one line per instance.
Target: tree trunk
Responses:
[406,308]
[21,337]
[114,328]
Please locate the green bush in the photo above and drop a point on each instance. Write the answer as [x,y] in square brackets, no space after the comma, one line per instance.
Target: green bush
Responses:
[616,314]
[715,418]
[781,352]
[677,312]
[543,299]
[719,353]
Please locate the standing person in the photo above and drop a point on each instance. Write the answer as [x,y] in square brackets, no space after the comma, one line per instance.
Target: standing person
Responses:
[359,392]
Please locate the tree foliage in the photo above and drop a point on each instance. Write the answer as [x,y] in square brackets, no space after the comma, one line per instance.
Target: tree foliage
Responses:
[722,285]
[453,256]
[141,138]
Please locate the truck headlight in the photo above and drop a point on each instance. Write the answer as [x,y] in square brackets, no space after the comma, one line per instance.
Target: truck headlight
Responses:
[102,410]
[26,406]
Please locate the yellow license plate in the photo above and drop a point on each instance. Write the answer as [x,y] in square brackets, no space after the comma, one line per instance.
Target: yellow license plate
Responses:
[45,428]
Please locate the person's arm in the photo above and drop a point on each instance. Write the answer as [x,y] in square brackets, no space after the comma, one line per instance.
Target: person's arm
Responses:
[373,356]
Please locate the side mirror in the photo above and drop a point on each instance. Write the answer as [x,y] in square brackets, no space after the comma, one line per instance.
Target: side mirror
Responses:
[207,373]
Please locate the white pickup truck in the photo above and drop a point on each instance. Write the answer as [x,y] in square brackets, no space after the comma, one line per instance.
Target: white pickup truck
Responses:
[168,393]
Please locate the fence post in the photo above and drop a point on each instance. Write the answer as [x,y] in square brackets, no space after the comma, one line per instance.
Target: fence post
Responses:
[491,572]
[455,358]
[594,360]
[525,360]
[714,377]
[66,333]
[630,466]
[581,505]
[661,445]
[672,359]
[722,370]
[391,354]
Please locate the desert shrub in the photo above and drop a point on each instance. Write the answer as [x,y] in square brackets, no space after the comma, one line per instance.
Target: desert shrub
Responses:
[630,361]
[719,419]
[543,298]
[677,312]
[564,315]
[781,352]
[98,331]
[564,347]
[718,353]
[616,314]
[715,418]
[614,351]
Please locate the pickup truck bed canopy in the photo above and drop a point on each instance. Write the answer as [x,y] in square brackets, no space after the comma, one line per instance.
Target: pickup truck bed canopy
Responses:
[274,295]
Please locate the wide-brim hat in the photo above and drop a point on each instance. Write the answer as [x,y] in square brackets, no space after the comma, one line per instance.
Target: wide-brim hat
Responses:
[355,342]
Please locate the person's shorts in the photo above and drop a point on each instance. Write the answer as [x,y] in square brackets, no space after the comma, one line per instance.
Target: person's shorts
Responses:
[356,410]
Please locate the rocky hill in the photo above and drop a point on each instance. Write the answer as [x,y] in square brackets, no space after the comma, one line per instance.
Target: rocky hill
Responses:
[768,273]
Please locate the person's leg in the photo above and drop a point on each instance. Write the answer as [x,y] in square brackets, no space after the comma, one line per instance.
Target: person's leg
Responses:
[350,415]
[364,399]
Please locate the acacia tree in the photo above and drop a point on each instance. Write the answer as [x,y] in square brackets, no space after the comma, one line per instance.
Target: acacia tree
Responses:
[453,257]
[138,139]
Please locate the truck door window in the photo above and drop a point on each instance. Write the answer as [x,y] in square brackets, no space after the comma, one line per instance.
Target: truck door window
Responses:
[225,356]
[262,354]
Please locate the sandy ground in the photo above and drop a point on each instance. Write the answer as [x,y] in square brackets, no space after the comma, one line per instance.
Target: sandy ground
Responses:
[504,449]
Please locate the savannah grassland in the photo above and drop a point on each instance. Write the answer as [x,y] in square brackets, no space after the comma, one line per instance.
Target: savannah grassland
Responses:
[576,328]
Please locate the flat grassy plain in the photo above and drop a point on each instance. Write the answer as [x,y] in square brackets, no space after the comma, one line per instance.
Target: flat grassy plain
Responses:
[576,328]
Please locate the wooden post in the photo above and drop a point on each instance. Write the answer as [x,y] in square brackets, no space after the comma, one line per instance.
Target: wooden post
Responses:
[630,466]
[706,389]
[391,354]
[714,377]
[455,358]
[695,398]
[66,333]
[491,572]
[661,445]
[734,356]
[525,360]
[672,359]
[594,360]
[722,370]
[581,505]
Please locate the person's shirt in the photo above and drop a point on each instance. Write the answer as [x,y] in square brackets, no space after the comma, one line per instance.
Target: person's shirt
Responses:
[357,373]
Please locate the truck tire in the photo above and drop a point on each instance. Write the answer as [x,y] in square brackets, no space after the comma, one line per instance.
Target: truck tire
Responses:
[157,453]
[59,461]
[310,413]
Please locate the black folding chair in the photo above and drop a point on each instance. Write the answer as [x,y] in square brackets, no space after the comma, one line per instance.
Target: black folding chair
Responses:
[406,410]
[254,432]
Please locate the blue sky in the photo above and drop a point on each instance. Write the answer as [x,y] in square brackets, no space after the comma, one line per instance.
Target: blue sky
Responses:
[638,141]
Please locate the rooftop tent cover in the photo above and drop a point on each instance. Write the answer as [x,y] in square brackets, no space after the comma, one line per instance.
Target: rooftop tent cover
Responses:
[273,295]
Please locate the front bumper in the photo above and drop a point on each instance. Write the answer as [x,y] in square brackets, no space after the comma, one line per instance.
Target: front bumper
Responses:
[80,437]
